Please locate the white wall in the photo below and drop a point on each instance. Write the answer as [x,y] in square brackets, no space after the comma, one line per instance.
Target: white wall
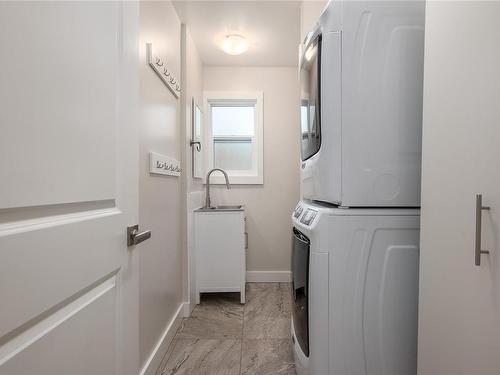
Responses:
[159,202]
[193,88]
[269,206]
[309,14]
[192,83]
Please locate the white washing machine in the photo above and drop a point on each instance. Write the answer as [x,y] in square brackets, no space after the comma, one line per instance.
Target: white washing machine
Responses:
[355,290]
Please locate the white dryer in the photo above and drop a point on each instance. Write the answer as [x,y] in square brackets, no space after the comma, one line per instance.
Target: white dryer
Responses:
[361,73]
[355,290]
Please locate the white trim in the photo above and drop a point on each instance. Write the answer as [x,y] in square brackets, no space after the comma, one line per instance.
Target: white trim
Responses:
[256,97]
[165,340]
[194,201]
[220,289]
[42,328]
[22,226]
[188,309]
[269,276]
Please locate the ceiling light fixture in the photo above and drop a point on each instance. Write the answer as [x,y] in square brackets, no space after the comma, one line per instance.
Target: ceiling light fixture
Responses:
[234,44]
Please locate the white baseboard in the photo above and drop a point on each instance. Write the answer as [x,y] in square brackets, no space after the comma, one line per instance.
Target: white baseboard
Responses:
[188,309]
[161,346]
[269,276]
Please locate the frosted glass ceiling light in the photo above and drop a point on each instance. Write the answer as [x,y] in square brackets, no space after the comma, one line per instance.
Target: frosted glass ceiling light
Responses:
[234,44]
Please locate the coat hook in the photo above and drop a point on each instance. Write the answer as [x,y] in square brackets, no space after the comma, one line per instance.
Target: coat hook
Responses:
[156,62]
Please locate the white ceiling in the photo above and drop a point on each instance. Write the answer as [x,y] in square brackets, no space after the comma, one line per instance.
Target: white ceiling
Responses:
[271,27]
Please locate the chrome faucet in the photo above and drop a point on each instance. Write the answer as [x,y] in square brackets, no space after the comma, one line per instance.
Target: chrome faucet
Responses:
[207,197]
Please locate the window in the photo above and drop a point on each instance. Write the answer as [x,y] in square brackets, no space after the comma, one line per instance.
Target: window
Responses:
[235,141]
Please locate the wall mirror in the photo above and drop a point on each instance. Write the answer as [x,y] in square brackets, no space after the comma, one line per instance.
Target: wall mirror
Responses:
[196,140]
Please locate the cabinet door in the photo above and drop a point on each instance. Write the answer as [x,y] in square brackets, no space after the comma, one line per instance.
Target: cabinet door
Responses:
[459,328]
[219,251]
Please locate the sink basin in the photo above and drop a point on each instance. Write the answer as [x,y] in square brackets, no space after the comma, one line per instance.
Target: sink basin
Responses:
[238,207]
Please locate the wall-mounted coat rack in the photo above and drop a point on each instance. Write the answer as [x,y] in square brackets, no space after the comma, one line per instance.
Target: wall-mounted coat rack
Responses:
[160,68]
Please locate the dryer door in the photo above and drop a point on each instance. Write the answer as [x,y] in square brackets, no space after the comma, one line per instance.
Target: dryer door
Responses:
[300,284]
[310,119]
[321,119]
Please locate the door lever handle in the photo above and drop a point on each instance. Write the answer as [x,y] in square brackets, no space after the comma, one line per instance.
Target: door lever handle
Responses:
[479,212]
[135,237]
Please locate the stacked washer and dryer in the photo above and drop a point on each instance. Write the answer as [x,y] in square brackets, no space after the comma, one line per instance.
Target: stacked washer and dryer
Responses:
[356,231]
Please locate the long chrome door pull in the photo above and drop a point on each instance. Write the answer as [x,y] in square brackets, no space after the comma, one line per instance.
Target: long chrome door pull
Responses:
[479,210]
[134,237]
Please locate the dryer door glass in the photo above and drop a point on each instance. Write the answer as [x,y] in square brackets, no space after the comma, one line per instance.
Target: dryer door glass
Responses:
[310,121]
[300,283]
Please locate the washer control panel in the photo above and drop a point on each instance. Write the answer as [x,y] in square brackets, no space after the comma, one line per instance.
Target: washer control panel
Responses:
[308,217]
[298,211]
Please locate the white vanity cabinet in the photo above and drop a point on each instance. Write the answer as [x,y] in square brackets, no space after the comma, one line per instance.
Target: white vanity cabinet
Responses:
[220,251]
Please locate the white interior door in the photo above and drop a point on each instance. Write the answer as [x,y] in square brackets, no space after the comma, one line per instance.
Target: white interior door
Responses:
[68,188]
[459,322]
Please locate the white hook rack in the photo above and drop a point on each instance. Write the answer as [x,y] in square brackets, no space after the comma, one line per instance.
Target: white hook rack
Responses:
[160,68]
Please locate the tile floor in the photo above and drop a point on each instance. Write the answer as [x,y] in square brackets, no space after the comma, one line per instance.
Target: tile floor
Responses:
[223,337]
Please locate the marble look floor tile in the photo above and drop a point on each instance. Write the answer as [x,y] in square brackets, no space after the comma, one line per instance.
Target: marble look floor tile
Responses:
[260,327]
[268,311]
[210,341]
[219,306]
[218,316]
[267,357]
[210,328]
[165,358]
[269,299]
[204,357]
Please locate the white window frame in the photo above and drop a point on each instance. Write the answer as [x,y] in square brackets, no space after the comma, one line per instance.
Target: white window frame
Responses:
[256,175]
